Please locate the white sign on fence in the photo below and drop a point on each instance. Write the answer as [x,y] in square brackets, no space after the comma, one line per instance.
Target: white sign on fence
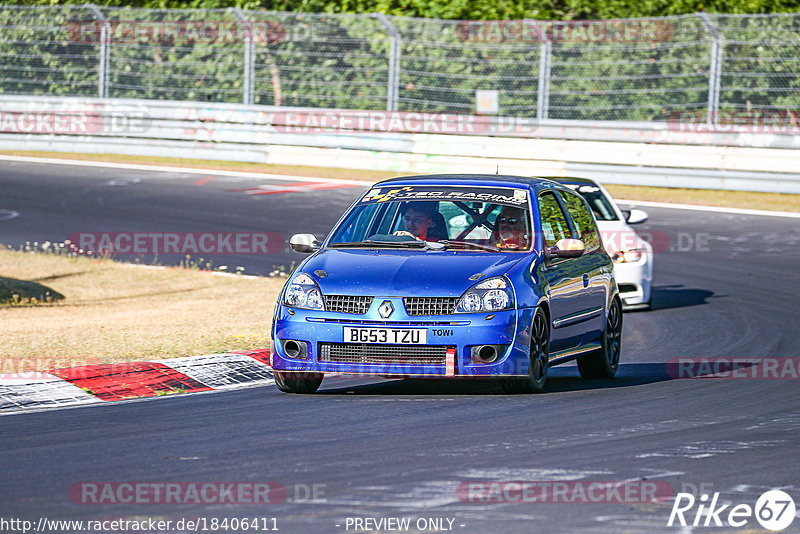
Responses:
[487,102]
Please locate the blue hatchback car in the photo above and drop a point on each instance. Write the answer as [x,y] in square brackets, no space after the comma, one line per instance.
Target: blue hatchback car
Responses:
[451,276]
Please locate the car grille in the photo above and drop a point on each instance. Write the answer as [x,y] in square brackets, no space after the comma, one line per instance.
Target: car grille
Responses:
[382,354]
[430,305]
[347,303]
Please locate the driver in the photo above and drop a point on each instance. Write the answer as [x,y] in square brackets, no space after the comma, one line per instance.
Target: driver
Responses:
[511,229]
[417,220]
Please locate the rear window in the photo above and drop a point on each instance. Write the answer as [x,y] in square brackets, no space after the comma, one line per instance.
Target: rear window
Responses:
[582,220]
[598,202]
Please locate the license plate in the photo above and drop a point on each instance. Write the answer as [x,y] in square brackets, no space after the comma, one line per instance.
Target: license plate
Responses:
[390,336]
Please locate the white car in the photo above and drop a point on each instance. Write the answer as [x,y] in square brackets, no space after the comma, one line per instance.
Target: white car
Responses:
[632,255]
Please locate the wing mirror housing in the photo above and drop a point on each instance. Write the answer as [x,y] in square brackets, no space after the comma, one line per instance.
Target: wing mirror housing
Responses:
[635,216]
[304,243]
[566,248]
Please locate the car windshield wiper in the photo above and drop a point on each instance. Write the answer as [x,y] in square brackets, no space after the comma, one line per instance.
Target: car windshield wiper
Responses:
[376,243]
[414,243]
[470,244]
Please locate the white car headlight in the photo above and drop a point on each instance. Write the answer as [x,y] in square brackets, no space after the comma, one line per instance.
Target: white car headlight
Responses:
[496,299]
[628,256]
[471,302]
[490,295]
[303,292]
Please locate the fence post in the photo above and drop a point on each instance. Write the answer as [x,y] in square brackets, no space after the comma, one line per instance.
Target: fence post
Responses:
[543,92]
[249,57]
[105,45]
[715,70]
[394,61]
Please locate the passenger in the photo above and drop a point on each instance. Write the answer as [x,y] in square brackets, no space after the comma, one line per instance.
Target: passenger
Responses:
[511,229]
[418,220]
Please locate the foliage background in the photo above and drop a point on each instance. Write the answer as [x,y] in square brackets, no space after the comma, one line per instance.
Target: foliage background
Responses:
[476,9]
[341,60]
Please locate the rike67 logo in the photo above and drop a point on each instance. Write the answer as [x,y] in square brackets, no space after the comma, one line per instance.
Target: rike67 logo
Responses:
[774,510]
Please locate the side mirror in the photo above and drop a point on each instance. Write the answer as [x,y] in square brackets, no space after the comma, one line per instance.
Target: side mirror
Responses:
[566,248]
[305,243]
[635,216]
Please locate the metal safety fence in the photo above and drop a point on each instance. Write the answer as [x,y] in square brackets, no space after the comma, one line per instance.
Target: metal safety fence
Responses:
[723,68]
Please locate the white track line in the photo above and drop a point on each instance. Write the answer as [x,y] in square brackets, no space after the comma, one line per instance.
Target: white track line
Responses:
[715,209]
[365,183]
[24,391]
[185,170]
[223,371]
[32,392]
[8,214]
[216,273]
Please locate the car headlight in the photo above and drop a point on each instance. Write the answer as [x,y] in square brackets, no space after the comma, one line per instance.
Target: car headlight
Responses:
[493,294]
[303,292]
[628,256]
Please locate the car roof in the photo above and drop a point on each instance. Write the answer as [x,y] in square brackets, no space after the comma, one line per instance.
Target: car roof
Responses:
[500,180]
[571,180]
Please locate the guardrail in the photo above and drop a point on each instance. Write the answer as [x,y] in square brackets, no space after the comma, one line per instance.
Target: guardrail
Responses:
[678,154]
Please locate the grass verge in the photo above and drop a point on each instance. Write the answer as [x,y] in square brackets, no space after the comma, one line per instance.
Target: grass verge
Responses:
[707,197]
[703,197]
[108,311]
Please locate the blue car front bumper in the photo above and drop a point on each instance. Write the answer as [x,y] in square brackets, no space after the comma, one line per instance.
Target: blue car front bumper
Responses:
[450,348]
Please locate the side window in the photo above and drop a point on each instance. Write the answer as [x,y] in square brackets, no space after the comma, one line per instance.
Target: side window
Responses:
[358,226]
[582,220]
[554,223]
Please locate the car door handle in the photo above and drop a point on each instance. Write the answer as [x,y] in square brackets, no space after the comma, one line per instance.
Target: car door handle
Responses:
[585,280]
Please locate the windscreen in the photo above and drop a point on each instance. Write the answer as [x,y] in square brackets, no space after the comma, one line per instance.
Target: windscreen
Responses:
[601,207]
[494,217]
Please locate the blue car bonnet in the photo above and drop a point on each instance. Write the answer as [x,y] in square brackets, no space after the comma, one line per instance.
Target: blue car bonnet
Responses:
[405,272]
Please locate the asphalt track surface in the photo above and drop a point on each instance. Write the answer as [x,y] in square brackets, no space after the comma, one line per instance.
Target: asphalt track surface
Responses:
[401,448]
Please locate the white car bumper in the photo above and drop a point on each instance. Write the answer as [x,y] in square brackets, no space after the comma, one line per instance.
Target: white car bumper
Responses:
[635,281]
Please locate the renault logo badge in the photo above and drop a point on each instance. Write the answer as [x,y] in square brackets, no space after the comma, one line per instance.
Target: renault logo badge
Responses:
[386,309]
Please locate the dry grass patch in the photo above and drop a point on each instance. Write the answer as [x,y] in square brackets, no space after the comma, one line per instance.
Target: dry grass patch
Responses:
[114,312]
[706,197]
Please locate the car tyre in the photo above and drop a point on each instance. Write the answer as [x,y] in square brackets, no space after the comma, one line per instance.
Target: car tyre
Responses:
[538,359]
[297,382]
[604,362]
